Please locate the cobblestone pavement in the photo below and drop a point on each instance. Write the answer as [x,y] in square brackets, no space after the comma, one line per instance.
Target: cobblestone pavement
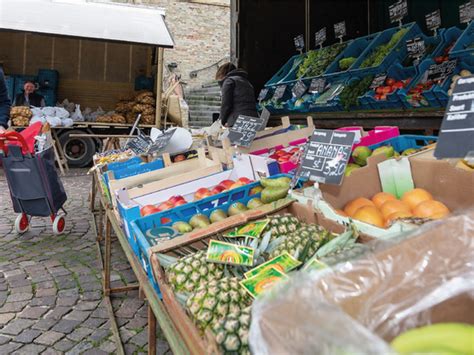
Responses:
[50,286]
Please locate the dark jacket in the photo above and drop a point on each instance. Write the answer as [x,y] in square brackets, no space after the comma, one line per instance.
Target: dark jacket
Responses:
[35,100]
[4,102]
[238,97]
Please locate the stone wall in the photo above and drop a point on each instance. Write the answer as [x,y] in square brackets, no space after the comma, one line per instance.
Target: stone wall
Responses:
[201,31]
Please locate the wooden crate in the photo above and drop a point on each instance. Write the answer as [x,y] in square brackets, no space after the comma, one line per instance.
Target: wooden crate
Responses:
[172,174]
[205,344]
[269,140]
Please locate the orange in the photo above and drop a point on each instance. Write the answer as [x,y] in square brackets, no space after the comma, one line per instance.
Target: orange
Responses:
[340,212]
[354,205]
[380,198]
[371,215]
[416,196]
[397,215]
[393,206]
[431,209]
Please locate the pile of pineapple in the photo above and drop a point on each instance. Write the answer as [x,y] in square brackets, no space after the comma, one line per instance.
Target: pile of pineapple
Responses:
[211,292]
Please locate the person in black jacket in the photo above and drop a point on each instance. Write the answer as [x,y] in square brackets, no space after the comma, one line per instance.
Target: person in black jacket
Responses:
[238,97]
[28,97]
[4,103]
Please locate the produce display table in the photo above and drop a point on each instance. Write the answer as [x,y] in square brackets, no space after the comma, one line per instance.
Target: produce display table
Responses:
[156,309]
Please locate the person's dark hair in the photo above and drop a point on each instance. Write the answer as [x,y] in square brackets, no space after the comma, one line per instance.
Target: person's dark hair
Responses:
[29,82]
[224,69]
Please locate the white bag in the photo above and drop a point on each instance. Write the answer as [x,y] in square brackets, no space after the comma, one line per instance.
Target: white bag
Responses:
[53,121]
[61,112]
[67,122]
[77,115]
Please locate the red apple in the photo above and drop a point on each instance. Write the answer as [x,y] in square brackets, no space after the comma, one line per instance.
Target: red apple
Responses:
[294,150]
[201,193]
[217,189]
[175,199]
[148,209]
[283,159]
[273,156]
[165,206]
[244,180]
[180,203]
[226,184]
[236,185]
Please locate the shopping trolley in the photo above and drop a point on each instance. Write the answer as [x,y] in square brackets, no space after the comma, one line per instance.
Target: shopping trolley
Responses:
[35,187]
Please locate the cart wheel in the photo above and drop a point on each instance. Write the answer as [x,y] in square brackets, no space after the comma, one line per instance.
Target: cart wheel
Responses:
[58,225]
[22,223]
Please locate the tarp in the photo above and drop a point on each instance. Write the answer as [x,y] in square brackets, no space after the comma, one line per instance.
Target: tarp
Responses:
[85,19]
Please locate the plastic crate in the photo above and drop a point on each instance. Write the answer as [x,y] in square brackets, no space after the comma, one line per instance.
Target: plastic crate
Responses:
[48,79]
[449,36]
[393,101]
[396,54]
[406,141]
[377,135]
[336,102]
[290,65]
[354,49]
[464,46]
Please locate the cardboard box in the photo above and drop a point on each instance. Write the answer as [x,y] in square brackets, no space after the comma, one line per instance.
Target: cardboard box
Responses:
[422,280]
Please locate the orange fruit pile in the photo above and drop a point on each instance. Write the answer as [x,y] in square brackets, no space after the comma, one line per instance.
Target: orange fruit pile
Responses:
[384,207]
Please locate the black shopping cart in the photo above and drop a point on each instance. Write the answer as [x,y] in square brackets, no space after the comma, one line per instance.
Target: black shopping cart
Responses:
[35,187]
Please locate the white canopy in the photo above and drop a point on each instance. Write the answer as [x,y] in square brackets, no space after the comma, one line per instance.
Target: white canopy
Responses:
[85,19]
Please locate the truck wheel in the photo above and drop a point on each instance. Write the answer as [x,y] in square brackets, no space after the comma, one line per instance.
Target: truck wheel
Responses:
[78,150]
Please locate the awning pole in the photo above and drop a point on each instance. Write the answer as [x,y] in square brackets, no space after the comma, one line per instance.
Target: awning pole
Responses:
[159,87]
[307,24]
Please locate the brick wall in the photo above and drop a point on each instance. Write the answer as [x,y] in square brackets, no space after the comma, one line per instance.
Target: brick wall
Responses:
[201,31]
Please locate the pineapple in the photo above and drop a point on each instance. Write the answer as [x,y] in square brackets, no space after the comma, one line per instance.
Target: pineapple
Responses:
[231,333]
[214,300]
[189,272]
[282,225]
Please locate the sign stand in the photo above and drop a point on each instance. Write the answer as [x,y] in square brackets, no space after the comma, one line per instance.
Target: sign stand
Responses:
[433,21]
[320,37]
[340,30]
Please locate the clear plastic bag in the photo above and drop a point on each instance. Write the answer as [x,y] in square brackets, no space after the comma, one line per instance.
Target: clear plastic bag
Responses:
[425,278]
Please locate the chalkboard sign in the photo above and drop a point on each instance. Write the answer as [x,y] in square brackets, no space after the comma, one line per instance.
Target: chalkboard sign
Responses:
[465,12]
[440,72]
[326,156]
[279,92]
[317,85]
[398,11]
[140,144]
[299,42]
[457,129]
[161,142]
[433,20]
[379,80]
[265,116]
[263,94]
[340,29]
[416,47]
[244,130]
[320,37]
[299,89]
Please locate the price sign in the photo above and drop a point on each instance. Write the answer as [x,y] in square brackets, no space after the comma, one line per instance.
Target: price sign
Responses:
[340,29]
[416,47]
[398,11]
[244,130]
[457,130]
[161,142]
[299,89]
[379,80]
[140,144]
[265,116]
[320,37]
[433,20]
[317,85]
[465,12]
[279,92]
[439,72]
[263,94]
[299,43]
[326,156]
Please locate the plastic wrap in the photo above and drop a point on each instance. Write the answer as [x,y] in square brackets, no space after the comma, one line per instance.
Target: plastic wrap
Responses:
[426,278]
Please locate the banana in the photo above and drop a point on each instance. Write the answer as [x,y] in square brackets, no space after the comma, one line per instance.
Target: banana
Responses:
[446,338]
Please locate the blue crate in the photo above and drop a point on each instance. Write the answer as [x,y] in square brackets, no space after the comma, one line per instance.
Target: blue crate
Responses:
[292,64]
[449,35]
[397,53]
[440,92]
[461,48]
[123,164]
[331,105]
[406,141]
[397,72]
[10,82]
[143,82]
[48,79]
[354,49]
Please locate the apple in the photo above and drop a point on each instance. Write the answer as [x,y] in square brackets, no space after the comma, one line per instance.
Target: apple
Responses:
[148,209]
[244,180]
[175,199]
[273,156]
[180,203]
[178,158]
[217,189]
[294,150]
[236,185]
[226,184]
[202,193]
[165,206]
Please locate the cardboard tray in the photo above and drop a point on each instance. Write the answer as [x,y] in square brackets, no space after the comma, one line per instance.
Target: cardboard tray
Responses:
[195,241]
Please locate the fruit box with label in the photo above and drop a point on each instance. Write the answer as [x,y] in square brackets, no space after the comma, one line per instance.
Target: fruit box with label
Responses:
[197,241]
[180,171]
[445,184]
[421,280]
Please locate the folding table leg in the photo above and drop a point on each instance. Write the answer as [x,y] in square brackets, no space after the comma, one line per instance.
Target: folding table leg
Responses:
[107,256]
[151,331]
